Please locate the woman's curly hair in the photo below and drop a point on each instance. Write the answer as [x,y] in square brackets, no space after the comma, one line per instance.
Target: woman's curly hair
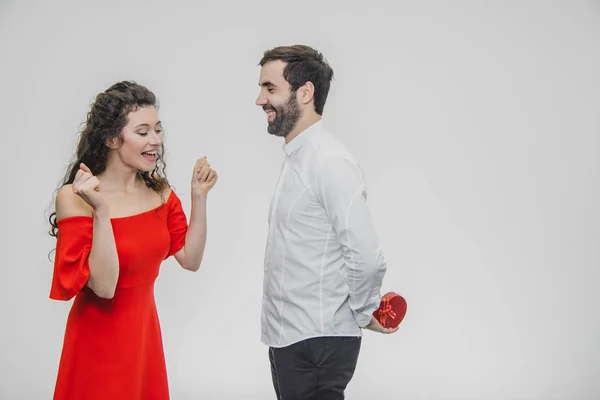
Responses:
[105,121]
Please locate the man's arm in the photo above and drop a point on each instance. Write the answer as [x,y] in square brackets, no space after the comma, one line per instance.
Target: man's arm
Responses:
[341,188]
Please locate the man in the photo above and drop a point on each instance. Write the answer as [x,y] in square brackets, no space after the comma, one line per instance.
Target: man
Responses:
[323,265]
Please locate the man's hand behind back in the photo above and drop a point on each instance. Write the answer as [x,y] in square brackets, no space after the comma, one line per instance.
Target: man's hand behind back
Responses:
[375,326]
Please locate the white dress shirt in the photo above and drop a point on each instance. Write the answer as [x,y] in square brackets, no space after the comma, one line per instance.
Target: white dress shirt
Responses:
[323,264]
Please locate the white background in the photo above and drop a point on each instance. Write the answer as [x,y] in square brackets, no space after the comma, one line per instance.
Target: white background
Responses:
[477,126]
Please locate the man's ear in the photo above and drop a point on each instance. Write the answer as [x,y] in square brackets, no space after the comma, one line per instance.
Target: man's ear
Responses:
[306,92]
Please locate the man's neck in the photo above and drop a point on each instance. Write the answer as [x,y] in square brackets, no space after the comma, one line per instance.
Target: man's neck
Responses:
[302,125]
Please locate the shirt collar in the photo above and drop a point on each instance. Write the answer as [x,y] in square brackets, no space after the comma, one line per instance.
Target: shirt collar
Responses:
[302,138]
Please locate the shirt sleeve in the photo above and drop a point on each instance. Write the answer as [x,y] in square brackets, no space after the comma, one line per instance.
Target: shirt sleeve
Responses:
[177,225]
[341,188]
[73,247]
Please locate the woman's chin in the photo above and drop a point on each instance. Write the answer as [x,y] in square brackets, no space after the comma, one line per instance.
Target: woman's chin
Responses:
[146,169]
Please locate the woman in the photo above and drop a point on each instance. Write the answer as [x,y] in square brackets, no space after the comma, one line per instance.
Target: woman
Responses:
[116,220]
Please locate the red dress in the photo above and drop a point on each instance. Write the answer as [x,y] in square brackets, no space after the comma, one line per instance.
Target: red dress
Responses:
[113,347]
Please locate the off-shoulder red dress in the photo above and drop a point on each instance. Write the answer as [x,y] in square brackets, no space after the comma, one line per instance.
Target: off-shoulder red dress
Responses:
[113,348]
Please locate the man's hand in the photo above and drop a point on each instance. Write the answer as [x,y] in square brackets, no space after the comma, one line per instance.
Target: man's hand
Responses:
[375,326]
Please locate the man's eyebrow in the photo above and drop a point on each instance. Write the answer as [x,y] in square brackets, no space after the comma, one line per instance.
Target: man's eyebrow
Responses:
[267,84]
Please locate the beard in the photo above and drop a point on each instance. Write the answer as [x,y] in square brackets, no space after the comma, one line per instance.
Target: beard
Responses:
[286,117]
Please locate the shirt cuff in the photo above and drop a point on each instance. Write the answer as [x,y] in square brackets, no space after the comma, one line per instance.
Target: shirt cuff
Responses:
[362,319]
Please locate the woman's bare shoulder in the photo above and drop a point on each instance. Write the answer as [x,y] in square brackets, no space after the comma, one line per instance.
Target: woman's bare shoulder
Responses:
[166,193]
[69,204]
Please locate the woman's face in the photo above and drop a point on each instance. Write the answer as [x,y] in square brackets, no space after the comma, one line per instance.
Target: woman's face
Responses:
[141,140]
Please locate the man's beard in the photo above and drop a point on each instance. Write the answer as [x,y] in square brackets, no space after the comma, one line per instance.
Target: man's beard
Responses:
[286,117]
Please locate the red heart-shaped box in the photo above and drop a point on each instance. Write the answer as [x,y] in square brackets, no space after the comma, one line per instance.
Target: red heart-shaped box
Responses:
[391,311]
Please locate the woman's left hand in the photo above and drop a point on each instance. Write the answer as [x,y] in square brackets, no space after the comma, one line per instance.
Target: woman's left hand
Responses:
[203,177]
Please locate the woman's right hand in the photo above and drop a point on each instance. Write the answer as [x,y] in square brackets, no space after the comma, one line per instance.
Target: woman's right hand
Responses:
[87,186]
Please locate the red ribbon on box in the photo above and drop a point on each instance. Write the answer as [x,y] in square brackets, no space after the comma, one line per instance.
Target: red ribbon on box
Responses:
[391,311]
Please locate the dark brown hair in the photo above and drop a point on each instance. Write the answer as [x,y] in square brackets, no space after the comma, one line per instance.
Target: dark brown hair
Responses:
[304,64]
[106,120]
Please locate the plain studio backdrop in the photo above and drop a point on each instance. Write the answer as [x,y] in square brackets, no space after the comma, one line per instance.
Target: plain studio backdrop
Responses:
[476,123]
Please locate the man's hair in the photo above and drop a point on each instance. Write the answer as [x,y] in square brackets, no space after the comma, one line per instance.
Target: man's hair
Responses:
[304,64]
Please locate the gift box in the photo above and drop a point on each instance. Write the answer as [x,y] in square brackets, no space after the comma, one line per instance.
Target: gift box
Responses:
[391,311]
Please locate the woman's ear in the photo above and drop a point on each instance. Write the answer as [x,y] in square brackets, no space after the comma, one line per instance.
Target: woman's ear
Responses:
[112,143]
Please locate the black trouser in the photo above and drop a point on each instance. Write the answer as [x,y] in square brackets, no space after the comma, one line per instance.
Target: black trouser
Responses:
[318,368]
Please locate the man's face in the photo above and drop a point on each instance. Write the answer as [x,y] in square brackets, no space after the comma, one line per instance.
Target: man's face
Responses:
[281,106]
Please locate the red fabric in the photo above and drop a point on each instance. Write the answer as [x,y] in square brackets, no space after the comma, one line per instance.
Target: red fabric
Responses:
[113,347]
[391,311]
[73,246]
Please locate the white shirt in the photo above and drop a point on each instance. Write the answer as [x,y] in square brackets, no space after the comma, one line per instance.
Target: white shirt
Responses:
[323,264]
